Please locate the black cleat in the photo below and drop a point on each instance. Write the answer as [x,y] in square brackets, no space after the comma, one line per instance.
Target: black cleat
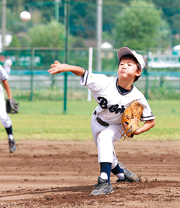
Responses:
[102,187]
[12,145]
[124,180]
[128,174]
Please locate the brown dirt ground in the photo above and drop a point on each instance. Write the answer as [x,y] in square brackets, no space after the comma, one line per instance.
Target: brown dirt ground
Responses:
[62,174]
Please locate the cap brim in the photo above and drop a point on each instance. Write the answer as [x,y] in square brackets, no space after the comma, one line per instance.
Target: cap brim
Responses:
[123,51]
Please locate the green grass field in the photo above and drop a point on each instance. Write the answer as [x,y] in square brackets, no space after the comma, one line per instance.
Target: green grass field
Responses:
[44,120]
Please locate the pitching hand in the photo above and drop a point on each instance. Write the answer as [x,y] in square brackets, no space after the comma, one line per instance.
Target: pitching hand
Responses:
[57,67]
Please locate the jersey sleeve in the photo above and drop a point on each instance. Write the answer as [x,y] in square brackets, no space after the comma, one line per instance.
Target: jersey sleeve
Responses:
[95,82]
[3,74]
[147,114]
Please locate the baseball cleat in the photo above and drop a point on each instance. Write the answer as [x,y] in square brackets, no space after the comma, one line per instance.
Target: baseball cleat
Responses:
[102,187]
[124,180]
[12,145]
[128,174]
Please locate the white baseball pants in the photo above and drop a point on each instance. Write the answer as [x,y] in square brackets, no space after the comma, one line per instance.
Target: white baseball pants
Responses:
[104,138]
[5,119]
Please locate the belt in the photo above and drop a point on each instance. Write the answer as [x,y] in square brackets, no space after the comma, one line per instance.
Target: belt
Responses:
[100,121]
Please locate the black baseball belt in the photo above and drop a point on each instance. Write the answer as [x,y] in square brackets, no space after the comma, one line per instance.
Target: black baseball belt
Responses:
[100,121]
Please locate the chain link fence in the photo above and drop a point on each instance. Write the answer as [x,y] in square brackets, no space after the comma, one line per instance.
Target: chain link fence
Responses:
[29,78]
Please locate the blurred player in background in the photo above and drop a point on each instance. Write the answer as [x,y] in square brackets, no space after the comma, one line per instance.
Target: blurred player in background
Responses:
[7,65]
[5,119]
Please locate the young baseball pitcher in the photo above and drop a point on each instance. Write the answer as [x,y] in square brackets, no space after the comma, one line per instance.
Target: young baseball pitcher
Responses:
[5,119]
[114,95]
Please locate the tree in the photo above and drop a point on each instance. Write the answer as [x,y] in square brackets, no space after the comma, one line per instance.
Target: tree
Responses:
[50,35]
[162,39]
[13,21]
[24,41]
[15,42]
[171,11]
[78,42]
[82,20]
[137,26]
[82,15]
[110,9]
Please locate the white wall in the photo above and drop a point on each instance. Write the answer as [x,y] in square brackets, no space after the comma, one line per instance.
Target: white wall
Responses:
[8,39]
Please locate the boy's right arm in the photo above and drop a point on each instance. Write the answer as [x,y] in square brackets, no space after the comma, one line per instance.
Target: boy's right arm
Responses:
[7,88]
[57,67]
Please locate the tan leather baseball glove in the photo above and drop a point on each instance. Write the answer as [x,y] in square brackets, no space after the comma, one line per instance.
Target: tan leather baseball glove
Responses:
[131,118]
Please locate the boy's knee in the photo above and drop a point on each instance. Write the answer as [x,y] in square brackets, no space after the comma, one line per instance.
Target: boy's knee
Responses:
[105,138]
[6,123]
[104,135]
[107,134]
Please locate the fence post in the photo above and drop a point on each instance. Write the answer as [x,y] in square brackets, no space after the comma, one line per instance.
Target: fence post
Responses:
[90,69]
[52,81]
[147,76]
[66,8]
[32,70]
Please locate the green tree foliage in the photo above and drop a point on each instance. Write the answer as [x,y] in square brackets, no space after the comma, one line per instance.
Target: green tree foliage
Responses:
[13,22]
[78,42]
[15,42]
[171,10]
[24,41]
[50,35]
[137,26]
[162,40]
[83,17]
[82,20]
[110,10]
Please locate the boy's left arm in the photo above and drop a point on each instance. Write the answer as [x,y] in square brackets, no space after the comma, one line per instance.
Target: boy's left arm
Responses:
[145,127]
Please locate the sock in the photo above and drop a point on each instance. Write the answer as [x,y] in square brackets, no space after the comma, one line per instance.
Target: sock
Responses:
[118,172]
[105,169]
[9,132]
[120,176]
[10,137]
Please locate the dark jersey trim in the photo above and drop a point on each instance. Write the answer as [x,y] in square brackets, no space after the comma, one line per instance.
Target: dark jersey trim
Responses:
[86,77]
[123,93]
[147,116]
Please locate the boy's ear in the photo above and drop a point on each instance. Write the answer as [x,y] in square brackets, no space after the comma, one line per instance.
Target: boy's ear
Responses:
[138,72]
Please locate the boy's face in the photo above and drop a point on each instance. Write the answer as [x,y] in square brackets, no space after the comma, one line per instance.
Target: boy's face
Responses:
[128,70]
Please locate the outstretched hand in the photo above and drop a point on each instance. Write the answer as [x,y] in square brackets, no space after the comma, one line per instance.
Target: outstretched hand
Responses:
[57,67]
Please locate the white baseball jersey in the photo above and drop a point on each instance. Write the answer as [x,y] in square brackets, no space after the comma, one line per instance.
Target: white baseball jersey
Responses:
[3,75]
[5,119]
[112,102]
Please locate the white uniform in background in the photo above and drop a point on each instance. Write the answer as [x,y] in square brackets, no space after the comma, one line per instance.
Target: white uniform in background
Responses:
[5,119]
[106,120]
[7,65]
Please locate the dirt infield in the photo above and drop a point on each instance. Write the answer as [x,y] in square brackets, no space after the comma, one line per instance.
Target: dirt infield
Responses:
[62,174]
